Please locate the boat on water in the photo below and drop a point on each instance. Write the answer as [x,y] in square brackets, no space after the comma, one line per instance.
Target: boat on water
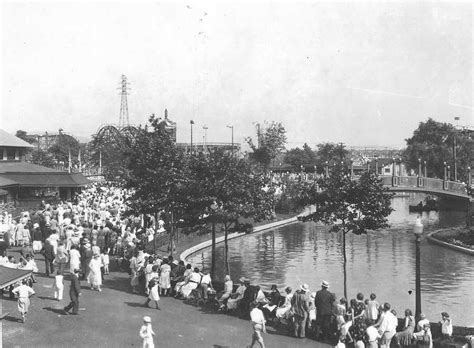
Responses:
[430,204]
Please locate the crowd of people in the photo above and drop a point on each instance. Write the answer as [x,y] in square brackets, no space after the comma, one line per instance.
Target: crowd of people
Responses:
[83,236]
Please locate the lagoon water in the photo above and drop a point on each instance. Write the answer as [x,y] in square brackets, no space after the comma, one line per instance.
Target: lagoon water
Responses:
[382,262]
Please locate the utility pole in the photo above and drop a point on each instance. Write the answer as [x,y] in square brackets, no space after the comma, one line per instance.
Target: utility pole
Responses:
[123,118]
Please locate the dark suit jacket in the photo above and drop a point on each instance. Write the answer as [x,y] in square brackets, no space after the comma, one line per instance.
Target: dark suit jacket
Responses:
[48,252]
[75,288]
[323,301]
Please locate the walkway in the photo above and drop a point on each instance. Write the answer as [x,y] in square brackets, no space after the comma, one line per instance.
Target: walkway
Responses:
[113,319]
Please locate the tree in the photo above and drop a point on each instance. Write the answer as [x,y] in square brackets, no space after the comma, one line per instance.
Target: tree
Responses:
[433,142]
[23,135]
[64,148]
[301,157]
[270,142]
[156,172]
[331,153]
[223,188]
[348,205]
[43,158]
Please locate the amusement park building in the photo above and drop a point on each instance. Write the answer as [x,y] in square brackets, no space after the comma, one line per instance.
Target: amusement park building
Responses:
[25,184]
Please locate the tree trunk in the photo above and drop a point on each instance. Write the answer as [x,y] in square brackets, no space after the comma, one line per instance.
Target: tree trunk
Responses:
[344,262]
[213,252]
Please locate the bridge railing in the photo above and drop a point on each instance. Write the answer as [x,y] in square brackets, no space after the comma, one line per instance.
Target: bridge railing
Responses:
[427,183]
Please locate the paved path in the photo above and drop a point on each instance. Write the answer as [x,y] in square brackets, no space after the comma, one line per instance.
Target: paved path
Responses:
[113,318]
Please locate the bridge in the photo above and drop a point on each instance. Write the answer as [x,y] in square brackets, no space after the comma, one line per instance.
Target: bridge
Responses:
[425,185]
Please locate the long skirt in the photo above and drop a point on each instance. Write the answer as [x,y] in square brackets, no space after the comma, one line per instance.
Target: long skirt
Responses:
[23,305]
[134,280]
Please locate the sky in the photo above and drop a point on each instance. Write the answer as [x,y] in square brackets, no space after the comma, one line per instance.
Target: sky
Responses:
[364,74]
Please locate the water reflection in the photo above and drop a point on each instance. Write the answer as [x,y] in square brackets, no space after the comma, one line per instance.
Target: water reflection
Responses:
[382,262]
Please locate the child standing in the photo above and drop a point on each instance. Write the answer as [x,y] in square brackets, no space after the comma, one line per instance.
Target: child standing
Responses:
[146,333]
[154,294]
[258,323]
[58,286]
[24,292]
[372,310]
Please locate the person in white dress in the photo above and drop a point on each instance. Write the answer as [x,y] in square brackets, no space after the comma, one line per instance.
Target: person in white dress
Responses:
[165,279]
[192,283]
[95,276]
[282,312]
[154,291]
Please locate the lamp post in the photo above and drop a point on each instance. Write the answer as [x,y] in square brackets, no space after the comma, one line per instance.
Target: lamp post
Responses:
[205,135]
[327,169]
[445,172]
[417,231]
[232,128]
[302,169]
[191,123]
[449,173]
[213,252]
[426,170]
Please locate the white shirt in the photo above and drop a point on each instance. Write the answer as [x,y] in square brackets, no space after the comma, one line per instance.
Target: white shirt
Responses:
[256,316]
[372,333]
[389,323]
[23,291]
[447,327]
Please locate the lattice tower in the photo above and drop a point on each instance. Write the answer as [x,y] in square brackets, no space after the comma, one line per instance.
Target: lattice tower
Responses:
[123,119]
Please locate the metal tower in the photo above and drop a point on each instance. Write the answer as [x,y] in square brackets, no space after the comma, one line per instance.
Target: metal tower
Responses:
[123,119]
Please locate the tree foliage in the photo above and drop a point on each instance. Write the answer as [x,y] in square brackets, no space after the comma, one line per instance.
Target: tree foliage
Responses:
[156,171]
[271,141]
[331,153]
[297,157]
[433,142]
[23,135]
[348,205]
[64,146]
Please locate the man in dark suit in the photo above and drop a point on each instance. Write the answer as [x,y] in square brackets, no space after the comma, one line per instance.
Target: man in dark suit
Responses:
[300,308]
[74,293]
[324,301]
[48,253]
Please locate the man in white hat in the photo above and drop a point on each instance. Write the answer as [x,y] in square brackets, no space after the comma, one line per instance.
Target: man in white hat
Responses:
[147,333]
[300,308]
[324,301]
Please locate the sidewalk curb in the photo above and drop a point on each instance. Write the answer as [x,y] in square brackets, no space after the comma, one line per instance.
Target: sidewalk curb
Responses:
[185,254]
[448,245]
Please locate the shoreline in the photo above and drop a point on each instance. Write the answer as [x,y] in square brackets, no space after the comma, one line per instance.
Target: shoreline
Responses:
[186,253]
[434,238]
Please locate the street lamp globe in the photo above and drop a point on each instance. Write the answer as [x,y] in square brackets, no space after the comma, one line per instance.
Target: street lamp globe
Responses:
[418,227]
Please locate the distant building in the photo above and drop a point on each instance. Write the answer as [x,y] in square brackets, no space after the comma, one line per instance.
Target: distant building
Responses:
[26,184]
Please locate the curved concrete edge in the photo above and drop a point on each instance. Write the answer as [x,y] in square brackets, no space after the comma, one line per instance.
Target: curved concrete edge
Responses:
[448,245]
[261,228]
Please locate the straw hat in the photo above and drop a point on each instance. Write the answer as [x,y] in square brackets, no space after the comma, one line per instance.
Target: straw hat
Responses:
[304,287]
[325,284]
[147,319]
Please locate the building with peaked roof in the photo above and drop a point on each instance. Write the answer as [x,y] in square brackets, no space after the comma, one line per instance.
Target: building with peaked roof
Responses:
[27,184]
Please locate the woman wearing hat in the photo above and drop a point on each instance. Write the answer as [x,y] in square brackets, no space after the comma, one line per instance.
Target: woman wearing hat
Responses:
[95,276]
[233,301]
[147,333]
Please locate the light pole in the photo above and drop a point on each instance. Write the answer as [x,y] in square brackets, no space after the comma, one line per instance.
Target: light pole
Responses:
[191,123]
[417,231]
[426,169]
[302,168]
[232,128]
[213,252]
[327,169]
[205,135]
